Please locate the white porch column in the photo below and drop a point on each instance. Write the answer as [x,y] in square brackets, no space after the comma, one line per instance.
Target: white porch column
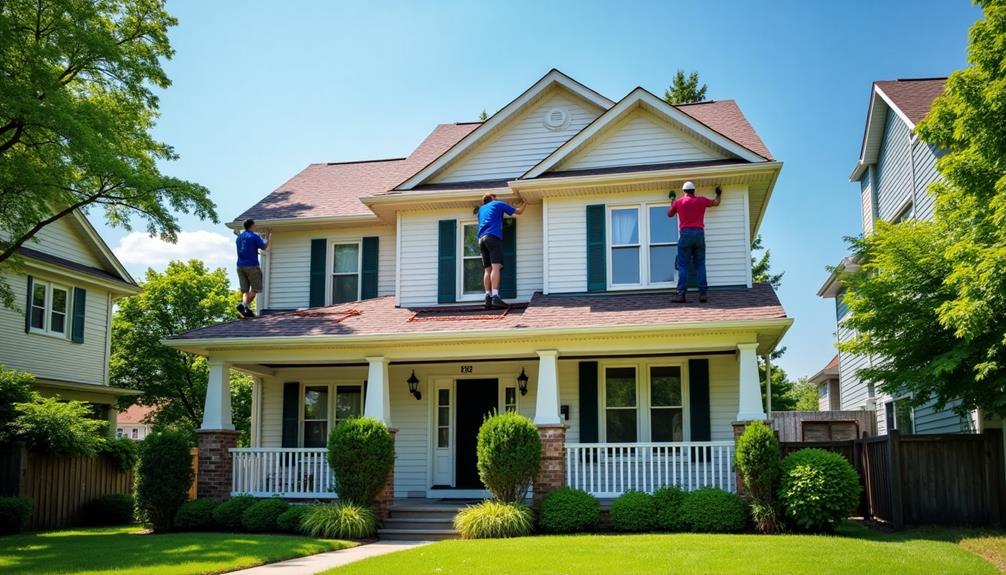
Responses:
[750,405]
[546,411]
[217,410]
[378,401]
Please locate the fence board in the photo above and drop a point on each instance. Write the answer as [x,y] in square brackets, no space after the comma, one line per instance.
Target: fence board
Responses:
[789,425]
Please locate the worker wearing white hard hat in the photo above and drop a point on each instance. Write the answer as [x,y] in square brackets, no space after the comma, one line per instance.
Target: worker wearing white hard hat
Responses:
[690,211]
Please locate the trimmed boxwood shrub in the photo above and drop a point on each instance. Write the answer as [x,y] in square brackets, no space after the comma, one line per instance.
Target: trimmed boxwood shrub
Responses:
[568,510]
[712,510]
[818,489]
[163,478]
[290,520]
[493,520]
[509,455]
[196,515]
[228,515]
[668,501]
[125,452]
[361,453]
[340,520]
[261,517]
[111,509]
[634,512]
[14,514]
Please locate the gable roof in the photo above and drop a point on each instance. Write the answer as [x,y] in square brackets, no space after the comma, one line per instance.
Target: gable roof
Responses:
[726,117]
[829,371]
[135,414]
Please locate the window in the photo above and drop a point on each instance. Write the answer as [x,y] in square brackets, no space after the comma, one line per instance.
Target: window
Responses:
[345,273]
[50,307]
[907,212]
[471,261]
[823,389]
[348,402]
[625,246]
[135,433]
[663,245]
[39,297]
[57,311]
[899,416]
[666,405]
[315,416]
[443,418]
[118,433]
[510,399]
[620,404]
[643,246]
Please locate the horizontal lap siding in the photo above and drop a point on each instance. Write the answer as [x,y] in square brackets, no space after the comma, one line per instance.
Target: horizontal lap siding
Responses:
[924,157]
[854,391]
[894,176]
[567,248]
[866,201]
[529,252]
[724,396]
[62,238]
[930,420]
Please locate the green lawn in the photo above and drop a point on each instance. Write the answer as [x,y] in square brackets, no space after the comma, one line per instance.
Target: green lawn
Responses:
[123,550]
[853,550]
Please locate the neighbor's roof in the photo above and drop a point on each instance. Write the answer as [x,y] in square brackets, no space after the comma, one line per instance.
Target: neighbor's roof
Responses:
[135,414]
[829,371]
[914,97]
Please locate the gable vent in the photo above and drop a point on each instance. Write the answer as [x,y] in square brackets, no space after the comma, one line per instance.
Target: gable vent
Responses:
[556,119]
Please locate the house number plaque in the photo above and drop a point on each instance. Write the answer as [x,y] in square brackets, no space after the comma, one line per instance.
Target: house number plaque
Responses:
[466,369]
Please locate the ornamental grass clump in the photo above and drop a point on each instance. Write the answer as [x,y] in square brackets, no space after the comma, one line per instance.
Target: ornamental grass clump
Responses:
[758,460]
[818,489]
[361,452]
[494,520]
[509,455]
[339,520]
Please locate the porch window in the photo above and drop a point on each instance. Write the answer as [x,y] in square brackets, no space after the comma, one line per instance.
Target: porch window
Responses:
[510,399]
[348,402]
[471,261]
[345,273]
[643,246]
[315,416]
[620,404]
[666,405]
[50,305]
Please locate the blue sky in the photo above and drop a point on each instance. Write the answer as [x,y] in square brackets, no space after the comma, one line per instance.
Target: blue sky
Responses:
[262,89]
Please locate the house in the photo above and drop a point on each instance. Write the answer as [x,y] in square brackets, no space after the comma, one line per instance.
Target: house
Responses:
[373,303]
[827,382]
[62,331]
[893,172]
[134,422]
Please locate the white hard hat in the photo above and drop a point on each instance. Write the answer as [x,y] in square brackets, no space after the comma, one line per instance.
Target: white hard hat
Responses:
[688,187]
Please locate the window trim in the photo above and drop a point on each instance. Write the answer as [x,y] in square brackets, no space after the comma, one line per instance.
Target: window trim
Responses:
[461,296]
[644,244]
[330,276]
[333,386]
[643,398]
[46,328]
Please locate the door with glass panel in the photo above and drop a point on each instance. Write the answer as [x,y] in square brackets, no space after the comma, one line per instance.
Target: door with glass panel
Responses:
[443,434]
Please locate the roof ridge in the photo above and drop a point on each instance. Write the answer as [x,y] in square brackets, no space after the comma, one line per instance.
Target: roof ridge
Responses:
[362,161]
[703,102]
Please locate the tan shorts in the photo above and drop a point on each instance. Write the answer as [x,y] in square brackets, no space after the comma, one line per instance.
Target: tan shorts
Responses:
[250,276]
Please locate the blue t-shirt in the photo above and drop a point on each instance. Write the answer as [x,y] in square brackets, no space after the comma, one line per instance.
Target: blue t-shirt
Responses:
[249,243]
[491,218]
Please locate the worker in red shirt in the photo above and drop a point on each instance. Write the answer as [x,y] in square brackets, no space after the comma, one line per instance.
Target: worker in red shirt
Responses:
[691,211]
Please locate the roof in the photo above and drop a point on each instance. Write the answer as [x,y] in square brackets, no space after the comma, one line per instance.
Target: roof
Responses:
[829,371]
[135,414]
[726,117]
[379,316]
[75,266]
[913,97]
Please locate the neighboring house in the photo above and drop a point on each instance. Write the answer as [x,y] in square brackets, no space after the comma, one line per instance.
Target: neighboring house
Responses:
[373,302]
[894,172]
[134,422]
[62,330]
[827,382]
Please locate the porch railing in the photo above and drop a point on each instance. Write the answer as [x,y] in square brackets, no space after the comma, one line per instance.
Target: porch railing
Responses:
[282,472]
[610,469]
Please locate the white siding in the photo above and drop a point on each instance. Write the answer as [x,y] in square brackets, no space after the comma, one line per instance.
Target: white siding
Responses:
[724,396]
[522,142]
[866,201]
[894,177]
[567,244]
[64,239]
[641,138]
[290,262]
[854,392]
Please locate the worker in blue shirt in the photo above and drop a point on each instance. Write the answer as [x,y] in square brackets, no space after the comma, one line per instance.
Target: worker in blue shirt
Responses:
[491,245]
[249,271]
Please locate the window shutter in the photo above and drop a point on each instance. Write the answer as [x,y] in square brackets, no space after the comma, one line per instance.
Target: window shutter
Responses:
[588,402]
[27,305]
[319,255]
[368,280]
[79,312]
[508,276]
[447,262]
[596,262]
[291,413]
[698,402]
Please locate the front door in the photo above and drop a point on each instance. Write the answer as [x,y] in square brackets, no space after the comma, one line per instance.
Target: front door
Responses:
[476,398]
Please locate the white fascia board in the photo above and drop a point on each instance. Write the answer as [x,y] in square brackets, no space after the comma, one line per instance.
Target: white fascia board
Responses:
[298,223]
[117,288]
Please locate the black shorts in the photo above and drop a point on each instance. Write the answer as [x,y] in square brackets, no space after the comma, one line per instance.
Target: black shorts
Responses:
[492,250]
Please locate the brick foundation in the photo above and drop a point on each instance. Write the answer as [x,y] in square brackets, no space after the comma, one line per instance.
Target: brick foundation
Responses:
[382,504]
[215,462]
[552,474]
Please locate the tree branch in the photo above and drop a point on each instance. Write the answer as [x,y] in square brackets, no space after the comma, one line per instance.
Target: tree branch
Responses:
[13,247]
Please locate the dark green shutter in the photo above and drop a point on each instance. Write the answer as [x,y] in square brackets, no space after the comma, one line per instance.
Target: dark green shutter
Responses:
[597,273]
[79,312]
[447,262]
[319,256]
[27,305]
[368,282]
[698,398]
[588,402]
[291,413]
[508,277]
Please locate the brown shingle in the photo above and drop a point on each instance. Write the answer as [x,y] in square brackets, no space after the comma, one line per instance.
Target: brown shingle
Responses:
[913,97]
[726,118]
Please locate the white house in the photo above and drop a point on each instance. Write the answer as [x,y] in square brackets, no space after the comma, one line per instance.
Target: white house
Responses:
[373,270]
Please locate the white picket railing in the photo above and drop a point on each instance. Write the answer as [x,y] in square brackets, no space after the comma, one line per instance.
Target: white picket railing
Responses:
[282,472]
[610,469]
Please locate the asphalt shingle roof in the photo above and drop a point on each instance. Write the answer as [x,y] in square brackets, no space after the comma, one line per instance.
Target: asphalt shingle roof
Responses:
[913,97]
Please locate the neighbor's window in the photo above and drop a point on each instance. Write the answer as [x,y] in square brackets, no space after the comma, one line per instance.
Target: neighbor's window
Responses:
[316,416]
[348,402]
[899,416]
[643,245]
[620,404]
[666,404]
[50,307]
[345,273]
[471,261]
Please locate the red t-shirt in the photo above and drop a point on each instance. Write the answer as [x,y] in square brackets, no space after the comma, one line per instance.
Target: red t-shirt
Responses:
[691,211]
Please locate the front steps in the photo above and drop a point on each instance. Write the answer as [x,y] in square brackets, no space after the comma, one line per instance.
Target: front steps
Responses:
[425,521]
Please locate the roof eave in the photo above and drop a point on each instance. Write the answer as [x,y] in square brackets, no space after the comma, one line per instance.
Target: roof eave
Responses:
[302,222]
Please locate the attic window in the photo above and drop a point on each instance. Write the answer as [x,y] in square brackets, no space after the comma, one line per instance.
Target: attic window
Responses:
[556,119]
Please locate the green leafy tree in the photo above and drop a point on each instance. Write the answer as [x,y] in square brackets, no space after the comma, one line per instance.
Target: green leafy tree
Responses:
[761,266]
[185,296]
[804,395]
[685,89]
[77,106]
[782,385]
[930,297]
[483,116]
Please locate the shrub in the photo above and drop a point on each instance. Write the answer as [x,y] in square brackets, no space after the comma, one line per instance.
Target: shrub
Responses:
[668,501]
[634,512]
[712,510]
[111,509]
[758,458]
[290,520]
[60,427]
[361,453]
[339,520]
[569,510]
[261,517]
[228,515]
[509,455]
[15,387]
[163,478]
[196,515]
[493,520]
[14,513]
[818,489]
[125,452]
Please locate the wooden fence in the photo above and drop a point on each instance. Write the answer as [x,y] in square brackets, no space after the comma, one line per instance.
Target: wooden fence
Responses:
[823,425]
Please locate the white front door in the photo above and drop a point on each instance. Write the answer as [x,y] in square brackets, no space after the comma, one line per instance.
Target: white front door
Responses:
[443,434]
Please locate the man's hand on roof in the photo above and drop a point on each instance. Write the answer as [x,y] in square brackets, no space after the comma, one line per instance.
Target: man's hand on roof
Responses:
[719,192]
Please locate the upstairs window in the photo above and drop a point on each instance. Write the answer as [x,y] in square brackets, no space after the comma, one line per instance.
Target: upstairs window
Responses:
[471,261]
[345,273]
[50,307]
[643,246]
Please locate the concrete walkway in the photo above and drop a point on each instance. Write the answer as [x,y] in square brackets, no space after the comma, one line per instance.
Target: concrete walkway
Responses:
[330,559]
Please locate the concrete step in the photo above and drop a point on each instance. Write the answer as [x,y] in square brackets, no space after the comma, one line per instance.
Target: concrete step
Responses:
[424,512]
[417,534]
[418,523]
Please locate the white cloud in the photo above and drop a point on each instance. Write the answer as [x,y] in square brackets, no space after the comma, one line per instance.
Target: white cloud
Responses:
[138,251]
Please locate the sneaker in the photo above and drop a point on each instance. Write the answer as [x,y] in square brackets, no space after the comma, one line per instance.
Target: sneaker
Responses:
[498,303]
[248,312]
[489,301]
[703,298]
[242,309]
[680,298]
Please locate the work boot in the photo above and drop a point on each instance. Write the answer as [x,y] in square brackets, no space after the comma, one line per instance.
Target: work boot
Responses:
[703,298]
[489,301]
[498,303]
[242,309]
[680,298]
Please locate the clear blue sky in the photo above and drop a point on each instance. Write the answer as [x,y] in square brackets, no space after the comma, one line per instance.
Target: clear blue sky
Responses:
[262,89]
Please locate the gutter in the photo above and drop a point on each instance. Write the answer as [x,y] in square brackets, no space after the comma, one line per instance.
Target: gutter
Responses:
[670,173]
[298,222]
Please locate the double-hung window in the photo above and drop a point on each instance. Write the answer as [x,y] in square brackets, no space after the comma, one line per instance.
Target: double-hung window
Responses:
[645,402]
[322,410]
[345,272]
[471,262]
[667,410]
[50,308]
[620,403]
[643,246]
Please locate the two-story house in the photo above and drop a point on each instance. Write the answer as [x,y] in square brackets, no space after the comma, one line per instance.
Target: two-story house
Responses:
[373,297]
[893,173]
[62,332]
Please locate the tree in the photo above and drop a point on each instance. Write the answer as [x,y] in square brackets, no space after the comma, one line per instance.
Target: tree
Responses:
[761,272]
[929,298]
[761,267]
[185,296]
[483,116]
[685,89]
[804,395]
[76,109]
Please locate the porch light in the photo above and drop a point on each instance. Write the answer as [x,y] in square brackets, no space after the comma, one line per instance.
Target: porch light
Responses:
[522,382]
[413,382]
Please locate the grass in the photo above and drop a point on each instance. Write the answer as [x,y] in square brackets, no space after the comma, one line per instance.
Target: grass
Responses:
[854,549]
[132,550]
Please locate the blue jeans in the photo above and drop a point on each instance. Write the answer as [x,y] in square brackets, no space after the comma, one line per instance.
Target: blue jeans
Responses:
[692,251]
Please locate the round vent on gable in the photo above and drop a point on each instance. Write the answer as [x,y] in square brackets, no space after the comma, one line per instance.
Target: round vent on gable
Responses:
[556,119]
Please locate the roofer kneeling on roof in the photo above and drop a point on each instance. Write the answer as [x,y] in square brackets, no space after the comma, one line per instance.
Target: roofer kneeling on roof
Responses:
[249,272]
[491,245]
[691,211]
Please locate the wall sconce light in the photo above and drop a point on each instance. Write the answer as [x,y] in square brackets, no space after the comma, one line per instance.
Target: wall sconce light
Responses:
[413,382]
[522,382]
